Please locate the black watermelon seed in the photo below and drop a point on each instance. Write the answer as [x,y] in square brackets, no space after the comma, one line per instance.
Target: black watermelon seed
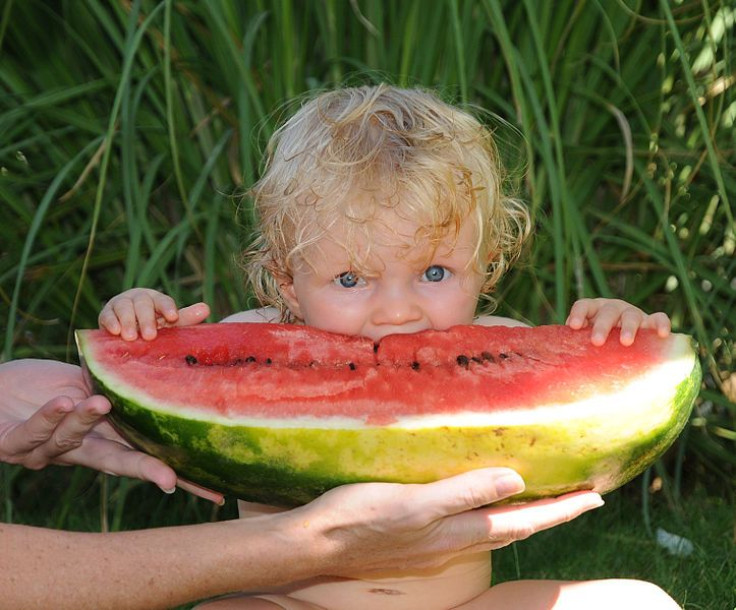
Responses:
[503,356]
[250,359]
[268,361]
[415,365]
[463,360]
[352,366]
[488,356]
[191,360]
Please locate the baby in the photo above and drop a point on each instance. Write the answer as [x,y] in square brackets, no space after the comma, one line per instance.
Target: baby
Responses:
[381,211]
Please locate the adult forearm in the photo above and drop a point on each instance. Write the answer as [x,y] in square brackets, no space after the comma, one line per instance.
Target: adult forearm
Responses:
[149,569]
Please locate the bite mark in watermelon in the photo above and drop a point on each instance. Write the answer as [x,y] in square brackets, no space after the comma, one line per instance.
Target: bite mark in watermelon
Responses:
[280,413]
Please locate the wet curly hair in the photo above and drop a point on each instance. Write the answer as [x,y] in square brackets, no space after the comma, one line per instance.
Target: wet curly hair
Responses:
[348,155]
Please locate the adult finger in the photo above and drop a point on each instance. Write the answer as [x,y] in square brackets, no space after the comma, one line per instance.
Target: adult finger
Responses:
[72,430]
[465,492]
[69,433]
[106,451]
[109,452]
[18,440]
[502,525]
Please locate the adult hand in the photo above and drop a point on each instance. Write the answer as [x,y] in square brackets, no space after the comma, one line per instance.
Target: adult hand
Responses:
[373,526]
[70,427]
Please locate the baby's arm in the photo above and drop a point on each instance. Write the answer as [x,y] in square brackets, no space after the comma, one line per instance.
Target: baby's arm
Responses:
[144,311]
[258,316]
[602,315]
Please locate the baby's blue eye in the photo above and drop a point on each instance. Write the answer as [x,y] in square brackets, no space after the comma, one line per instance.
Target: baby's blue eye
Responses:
[435,273]
[348,279]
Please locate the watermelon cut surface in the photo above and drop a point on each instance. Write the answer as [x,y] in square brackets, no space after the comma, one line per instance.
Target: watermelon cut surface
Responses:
[280,413]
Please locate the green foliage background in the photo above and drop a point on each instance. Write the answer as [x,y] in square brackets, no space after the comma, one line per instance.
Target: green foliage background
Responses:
[130,129]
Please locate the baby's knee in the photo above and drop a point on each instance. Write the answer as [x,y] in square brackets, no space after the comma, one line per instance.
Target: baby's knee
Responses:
[643,594]
[617,594]
[608,594]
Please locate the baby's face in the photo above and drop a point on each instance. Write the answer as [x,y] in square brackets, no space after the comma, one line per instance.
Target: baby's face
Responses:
[404,293]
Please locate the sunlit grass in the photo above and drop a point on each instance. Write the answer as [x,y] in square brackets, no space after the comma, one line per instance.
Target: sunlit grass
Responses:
[614,541]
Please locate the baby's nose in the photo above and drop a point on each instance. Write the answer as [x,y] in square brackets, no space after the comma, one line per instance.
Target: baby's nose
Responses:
[396,307]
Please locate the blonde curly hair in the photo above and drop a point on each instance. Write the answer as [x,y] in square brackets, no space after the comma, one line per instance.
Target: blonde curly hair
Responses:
[346,156]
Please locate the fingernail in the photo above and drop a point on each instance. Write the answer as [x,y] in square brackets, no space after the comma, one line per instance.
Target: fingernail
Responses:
[168,491]
[509,484]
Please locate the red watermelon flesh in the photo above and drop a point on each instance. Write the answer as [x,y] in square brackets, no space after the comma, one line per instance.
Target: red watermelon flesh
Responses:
[298,404]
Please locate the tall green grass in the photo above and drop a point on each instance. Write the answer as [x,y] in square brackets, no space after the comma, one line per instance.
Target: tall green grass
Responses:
[130,129]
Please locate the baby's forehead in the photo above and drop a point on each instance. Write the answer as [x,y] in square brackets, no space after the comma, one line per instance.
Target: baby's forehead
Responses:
[387,226]
[363,242]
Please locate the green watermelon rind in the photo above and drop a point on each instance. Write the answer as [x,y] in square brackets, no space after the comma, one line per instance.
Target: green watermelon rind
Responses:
[291,466]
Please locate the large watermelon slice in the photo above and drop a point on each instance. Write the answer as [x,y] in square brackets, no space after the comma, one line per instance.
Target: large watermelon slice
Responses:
[279,414]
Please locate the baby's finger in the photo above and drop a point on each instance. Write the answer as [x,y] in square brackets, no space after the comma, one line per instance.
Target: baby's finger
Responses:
[632,318]
[147,306]
[193,314]
[109,321]
[660,322]
[608,317]
[165,306]
[124,310]
[580,311]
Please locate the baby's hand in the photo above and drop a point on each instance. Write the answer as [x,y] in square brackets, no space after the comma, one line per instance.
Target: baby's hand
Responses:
[144,310]
[604,314]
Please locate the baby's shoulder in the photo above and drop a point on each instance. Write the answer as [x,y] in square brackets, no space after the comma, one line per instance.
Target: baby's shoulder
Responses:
[497,321]
[262,314]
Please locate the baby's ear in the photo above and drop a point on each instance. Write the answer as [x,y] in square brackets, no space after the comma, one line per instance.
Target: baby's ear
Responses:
[286,289]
